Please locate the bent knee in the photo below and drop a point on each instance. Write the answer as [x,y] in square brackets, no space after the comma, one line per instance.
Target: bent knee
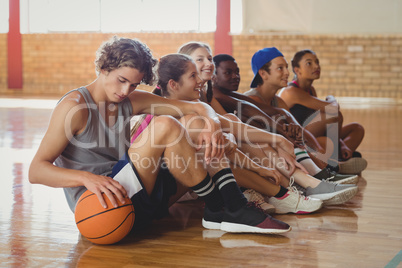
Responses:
[231,116]
[358,129]
[167,124]
[192,122]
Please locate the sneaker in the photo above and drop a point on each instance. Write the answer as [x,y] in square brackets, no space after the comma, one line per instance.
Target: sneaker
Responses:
[256,197]
[354,165]
[212,220]
[251,219]
[331,176]
[294,202]
[332,193]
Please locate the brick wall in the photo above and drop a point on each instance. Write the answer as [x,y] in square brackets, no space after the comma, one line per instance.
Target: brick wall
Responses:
[352,65]
[56,63]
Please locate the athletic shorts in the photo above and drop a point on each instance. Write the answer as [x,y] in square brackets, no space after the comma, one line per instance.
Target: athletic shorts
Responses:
[147,207]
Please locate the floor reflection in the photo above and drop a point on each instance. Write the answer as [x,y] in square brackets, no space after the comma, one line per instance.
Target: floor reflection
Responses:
[38,229]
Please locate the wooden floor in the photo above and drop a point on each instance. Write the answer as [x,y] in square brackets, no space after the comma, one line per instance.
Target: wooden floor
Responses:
[38,230]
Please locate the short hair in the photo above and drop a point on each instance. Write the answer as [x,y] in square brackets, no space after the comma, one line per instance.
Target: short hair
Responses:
[124,52]
[266,66]
[222,57]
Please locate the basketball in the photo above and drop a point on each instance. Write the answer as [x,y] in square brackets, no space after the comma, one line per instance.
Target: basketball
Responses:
[100,225]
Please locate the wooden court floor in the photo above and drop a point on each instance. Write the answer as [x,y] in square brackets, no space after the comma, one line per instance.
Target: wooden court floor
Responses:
[37,229]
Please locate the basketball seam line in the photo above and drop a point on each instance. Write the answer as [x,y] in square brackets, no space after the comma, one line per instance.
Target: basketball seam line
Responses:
[103,212]
[112,230]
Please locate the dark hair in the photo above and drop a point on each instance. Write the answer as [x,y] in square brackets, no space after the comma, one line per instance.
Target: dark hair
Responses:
[124,52]
[171,66]
[188,49]
[222,57]
[297,58]
[266,66]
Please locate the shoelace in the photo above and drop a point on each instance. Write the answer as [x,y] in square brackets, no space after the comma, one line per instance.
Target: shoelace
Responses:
[255,205]
[295,190]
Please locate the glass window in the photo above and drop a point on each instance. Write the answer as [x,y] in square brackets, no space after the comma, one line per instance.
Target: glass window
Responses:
[4,13]
[42,16]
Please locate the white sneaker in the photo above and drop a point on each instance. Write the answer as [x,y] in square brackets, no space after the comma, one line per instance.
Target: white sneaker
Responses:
[253,196]
[294,202]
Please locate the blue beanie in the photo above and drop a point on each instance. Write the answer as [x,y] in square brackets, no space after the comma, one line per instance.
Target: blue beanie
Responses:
[260,58]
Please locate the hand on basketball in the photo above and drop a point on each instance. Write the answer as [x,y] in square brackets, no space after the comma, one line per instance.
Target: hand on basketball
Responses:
[111,188]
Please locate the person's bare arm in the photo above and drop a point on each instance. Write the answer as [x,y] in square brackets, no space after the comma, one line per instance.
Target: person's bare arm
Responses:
[211,137]
[69,118]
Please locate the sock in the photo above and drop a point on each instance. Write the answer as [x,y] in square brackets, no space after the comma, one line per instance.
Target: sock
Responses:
[282,192]
[303,158]
[231,194]
[208,192]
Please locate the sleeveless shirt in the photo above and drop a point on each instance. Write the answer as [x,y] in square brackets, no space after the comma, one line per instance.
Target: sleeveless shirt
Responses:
[299,111]
[99,147]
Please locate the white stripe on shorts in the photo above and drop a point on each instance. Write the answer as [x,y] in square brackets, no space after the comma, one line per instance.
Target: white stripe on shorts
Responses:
[128,179]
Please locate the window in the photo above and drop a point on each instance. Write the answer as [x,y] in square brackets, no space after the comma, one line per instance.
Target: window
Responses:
[43,16]
[4,13]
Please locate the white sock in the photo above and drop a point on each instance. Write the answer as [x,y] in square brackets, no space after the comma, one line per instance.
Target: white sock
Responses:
[303,158]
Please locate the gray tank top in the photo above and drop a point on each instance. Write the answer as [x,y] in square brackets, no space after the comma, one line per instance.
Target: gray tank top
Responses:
[98,148]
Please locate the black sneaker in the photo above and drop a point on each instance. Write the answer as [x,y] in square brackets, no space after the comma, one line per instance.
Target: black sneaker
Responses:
[251,219]
[212,220]
[331,176]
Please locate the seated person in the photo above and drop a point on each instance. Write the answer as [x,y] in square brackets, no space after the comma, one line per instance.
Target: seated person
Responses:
[226,82]
[87,147]
[177,81]
[321,116]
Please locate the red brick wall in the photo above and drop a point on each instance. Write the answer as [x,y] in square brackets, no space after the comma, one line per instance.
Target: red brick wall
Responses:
[56,63]
[352,65]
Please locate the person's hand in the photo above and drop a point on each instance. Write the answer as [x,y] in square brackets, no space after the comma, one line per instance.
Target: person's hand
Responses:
[98,184]
[346,153]
[285,144]
[230,143]
[290,162]
[294,131]
[270,173]
[212,138]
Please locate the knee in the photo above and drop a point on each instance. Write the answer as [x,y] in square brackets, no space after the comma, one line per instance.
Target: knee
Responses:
[359,129]
[192,122]
[167,125]
[232,117]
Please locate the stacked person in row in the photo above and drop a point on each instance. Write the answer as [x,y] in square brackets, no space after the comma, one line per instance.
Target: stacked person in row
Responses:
[322,118]
[262,98]
[88,142]
[202,55]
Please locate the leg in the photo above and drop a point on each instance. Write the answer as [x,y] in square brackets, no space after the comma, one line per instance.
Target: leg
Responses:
[169,141]
[352,135]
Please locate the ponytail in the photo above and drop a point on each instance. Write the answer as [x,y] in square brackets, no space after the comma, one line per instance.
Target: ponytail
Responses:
[210,93]
[157,91]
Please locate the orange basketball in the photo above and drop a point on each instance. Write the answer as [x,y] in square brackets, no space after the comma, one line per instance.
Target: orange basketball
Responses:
[100,225]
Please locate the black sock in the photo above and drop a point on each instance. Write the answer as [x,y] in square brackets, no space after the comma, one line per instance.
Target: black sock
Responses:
[208,192]
[231,194]
[282,192]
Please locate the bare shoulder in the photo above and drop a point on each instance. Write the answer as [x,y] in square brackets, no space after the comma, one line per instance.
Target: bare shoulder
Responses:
[287,92]
[72,108]
[281,103]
